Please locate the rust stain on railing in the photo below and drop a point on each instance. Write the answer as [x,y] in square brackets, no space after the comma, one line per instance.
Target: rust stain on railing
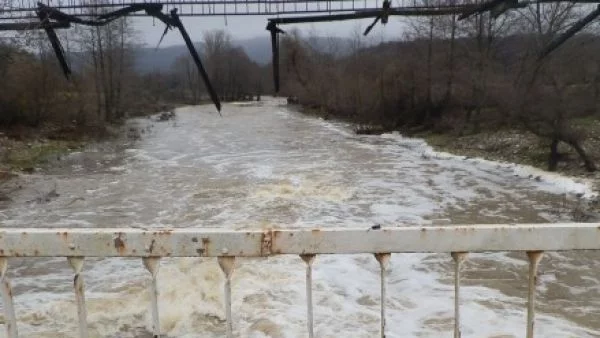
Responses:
[266,243]
[227,245]
[120,244]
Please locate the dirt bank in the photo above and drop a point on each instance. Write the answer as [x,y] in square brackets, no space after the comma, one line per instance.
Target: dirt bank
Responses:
[514,146]
[521,147]
[25,150]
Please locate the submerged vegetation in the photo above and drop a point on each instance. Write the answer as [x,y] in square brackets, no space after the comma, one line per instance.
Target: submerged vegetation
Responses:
[26,157]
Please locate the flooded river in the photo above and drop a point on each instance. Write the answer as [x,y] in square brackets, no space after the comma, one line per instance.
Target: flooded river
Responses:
[263,165]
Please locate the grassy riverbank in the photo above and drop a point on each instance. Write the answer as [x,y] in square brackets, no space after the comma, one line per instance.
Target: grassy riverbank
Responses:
[513,145]
[521,147]
[25,150]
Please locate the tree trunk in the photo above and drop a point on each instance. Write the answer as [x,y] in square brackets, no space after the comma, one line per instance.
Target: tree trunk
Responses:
[97,85]
[450,82]
[121,68]
[588,162]
[110,84]
[101,61]
[429,65]
[553,158]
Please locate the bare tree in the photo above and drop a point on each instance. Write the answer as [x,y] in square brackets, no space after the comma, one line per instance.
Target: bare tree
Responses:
[216,45]
[188,77]
[107,51]
[547,105]
[230,68]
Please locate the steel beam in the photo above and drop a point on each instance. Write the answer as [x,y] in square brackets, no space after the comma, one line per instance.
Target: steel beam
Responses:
[202,242]
[28,26]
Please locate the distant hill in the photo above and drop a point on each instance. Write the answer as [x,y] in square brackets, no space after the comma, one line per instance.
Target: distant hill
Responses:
[161,59]
[258,50]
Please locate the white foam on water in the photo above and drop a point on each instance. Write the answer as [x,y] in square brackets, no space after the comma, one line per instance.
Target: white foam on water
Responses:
[266,167]
[547,181]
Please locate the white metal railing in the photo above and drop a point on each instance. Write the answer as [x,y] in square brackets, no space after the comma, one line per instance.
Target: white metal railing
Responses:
[151,244]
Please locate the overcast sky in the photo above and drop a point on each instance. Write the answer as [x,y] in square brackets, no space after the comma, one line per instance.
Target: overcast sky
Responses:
[246,27]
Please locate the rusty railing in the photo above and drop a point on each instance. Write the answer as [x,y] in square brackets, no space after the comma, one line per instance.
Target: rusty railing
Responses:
[150,245]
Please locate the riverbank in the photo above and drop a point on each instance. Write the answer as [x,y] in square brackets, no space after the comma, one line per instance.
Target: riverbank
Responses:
[25,149]
[507,145]
[514,146]
[523,148]
[520,147]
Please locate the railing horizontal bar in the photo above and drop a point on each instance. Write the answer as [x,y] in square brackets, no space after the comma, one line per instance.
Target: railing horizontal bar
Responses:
[202,242]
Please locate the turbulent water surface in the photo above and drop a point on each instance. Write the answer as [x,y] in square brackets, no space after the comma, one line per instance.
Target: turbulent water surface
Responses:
[261,166]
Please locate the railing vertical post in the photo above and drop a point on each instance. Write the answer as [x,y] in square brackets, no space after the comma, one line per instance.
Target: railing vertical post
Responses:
[459,258]
[383,259]
[227,264]
[77,264]
[309,259]
[7,300]
[152,264]
[534,260]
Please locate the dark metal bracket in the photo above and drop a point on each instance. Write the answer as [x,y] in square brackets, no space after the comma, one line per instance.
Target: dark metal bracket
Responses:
[274,30]
[213,94]
[33,25]
[383,16]
[579,25]
[496,7]
[56,45]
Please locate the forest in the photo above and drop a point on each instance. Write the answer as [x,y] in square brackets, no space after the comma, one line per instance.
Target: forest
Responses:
[105,86]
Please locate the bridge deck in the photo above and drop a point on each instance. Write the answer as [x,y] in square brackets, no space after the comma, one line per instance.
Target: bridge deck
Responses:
[24,9]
